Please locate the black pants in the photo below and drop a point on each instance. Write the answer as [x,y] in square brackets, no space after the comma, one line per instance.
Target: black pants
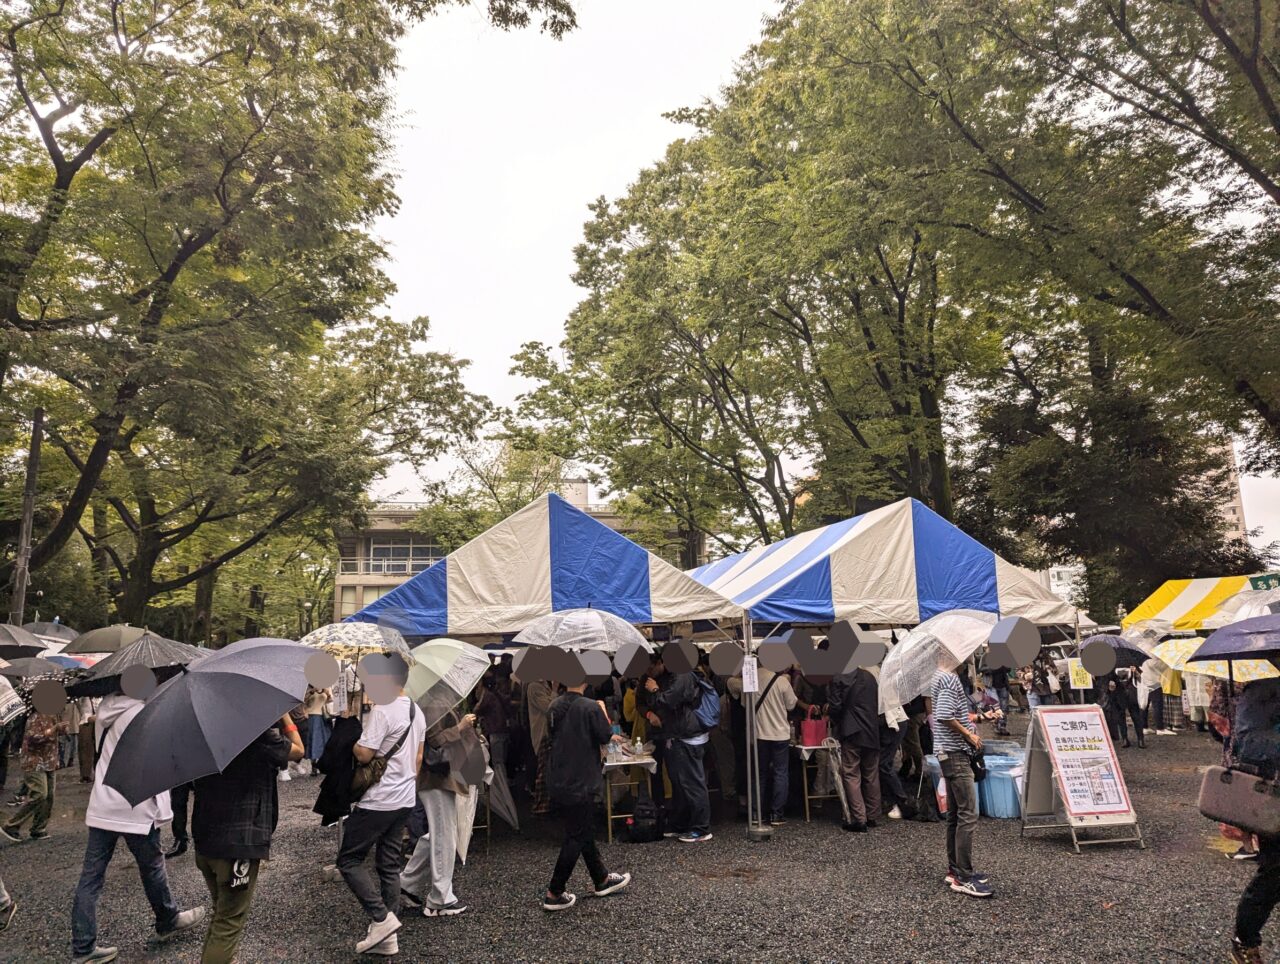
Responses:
[1115,717]
[1153,715]
[579,821]
[1261,895]
[892,793]
[178,799]
[691,806]
[366,830]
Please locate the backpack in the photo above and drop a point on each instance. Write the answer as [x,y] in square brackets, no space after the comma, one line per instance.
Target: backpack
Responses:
[707,709]
[643,825]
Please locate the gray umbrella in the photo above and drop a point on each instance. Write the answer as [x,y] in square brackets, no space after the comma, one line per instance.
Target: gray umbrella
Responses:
[165,657]
[197,723]
[54,632]
[108,639]
[29,666]
[16,642]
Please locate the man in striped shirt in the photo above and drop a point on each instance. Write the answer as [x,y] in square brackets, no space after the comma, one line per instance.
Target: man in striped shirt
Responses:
[954,739]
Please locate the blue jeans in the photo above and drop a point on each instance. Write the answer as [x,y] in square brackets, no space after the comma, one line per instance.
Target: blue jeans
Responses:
[101,846]
[317,735]
[774,759]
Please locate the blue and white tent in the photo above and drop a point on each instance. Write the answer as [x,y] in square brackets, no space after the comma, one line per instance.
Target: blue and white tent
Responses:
[544,558]
[898,565]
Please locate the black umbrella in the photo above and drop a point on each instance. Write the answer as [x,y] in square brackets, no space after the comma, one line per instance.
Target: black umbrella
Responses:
[107,639]
[16,642]
[1255,638]
[165,657]
[55,632]
[198,722]
[30,666]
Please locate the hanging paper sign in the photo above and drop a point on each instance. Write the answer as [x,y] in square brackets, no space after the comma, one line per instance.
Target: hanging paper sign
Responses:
[1080,677]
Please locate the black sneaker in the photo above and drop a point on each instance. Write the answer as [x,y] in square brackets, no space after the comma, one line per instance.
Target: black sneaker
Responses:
[9,835]
[612,884]
[39,834]
[563,902]
[448,910]
[854,827]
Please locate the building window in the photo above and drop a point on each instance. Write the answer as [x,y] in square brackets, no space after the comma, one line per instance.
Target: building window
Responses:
[346,601]
[401,554]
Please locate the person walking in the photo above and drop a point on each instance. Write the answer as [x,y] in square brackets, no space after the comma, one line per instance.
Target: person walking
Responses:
[232,824]
[955,738]
[578,728]
[685,745]
[39,760]
[452,742]
[1255,746]
[110,819]
[854,705]
[393,731]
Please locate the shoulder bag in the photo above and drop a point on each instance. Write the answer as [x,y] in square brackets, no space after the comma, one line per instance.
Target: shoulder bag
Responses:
[368,774]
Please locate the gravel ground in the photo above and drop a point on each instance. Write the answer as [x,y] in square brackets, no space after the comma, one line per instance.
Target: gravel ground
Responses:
[812,893]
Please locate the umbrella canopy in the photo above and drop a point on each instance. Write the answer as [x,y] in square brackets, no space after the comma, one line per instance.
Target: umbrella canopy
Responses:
[1245,605]
[442,673]
[52,632]
[107,639]
[1256,638]
[1129,650]
[198,722]
[350,641]
[582,629]
[29,666]
[908,670]
[165,656]
[11,704]
[16,642]
[1174,653]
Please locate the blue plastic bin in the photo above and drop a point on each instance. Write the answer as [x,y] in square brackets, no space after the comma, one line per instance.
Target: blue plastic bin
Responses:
[998,793]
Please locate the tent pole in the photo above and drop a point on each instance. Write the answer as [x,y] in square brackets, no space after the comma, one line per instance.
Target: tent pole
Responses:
[757,828]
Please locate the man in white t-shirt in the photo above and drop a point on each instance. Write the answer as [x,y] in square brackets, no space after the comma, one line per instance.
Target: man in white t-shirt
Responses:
[393,730]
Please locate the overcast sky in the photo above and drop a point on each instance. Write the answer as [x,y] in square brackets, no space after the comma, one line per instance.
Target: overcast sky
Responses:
[503,140]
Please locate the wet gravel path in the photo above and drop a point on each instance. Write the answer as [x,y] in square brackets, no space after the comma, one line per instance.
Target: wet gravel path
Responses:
[812,893]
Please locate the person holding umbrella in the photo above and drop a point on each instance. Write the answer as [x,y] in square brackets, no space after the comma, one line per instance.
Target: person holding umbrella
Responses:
[232,824]
[110,818]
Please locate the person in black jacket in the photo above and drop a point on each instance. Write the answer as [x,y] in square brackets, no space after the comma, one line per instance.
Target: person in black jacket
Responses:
[684,745]
[231,825]
[578,728]
[854,702]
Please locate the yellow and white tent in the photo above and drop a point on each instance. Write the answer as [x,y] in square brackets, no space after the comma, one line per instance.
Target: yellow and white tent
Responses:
[1187,603]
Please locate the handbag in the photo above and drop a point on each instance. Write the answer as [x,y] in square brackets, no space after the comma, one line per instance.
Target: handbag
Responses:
[1241,800]
[366,775]
[813,728]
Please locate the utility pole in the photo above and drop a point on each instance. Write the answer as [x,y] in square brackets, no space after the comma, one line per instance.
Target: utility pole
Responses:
[23,564]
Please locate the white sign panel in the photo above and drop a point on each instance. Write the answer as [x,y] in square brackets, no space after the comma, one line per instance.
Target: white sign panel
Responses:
[1080,748]
[750,675]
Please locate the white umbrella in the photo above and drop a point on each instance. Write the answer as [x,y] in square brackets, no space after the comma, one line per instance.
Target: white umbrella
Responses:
[442,673]
[350,641]
[908,670]
[582,629]
[1244,605]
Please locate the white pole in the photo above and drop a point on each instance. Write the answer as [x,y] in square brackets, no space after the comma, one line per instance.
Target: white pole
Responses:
[757,828]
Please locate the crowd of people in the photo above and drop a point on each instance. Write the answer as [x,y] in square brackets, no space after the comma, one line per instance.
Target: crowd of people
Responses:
[391,781]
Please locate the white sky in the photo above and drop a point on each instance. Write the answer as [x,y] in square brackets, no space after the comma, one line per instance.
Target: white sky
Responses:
[504,139]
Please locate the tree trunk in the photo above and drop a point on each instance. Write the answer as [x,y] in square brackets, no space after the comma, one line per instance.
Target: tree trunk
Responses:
[203,627]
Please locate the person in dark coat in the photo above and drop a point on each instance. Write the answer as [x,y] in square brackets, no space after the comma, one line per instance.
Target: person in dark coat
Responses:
[338,766]
[684,749]
[578,728]
[854,698]
[1119,696]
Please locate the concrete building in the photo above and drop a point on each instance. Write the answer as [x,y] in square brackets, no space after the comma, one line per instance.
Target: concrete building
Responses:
[379,557]
[1233,507]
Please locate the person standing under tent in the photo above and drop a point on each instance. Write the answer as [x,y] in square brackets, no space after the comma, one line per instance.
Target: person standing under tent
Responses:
[110,819]
[685,743]
[1255,746]
[955,739]
[1151,694]
[773,740]
[232,824]
[491,711]
[854,702]
[579,728]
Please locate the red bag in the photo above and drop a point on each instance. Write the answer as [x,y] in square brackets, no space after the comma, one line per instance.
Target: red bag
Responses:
[813,729]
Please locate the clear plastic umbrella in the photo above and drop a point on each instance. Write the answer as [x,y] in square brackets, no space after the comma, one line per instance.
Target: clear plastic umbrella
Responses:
[582,629]
[908,670]
[1244,605]
[442,673]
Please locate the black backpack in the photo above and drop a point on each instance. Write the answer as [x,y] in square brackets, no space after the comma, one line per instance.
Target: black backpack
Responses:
[643,825]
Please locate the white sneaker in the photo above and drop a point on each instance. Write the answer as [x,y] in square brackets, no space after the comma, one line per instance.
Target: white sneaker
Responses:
[895,813]
[388,948]
[187,919]
[379,931]
[284,776]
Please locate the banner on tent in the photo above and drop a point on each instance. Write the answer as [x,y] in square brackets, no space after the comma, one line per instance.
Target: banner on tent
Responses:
[1073,778]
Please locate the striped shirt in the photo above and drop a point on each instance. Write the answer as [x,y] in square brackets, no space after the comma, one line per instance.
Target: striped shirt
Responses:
[949,703]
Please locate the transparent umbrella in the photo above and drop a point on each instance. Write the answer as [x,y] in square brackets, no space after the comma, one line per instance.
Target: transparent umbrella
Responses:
[582,629]
[908,670]
[442,673]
